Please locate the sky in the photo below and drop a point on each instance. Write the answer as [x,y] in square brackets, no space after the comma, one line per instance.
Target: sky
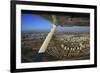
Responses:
[36,23]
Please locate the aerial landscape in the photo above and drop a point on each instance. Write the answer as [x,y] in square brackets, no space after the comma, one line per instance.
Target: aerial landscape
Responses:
[70,41]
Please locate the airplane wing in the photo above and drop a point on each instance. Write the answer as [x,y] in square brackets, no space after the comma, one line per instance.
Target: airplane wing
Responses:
[72,19]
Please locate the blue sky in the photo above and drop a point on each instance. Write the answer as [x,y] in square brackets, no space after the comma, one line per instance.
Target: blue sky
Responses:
[32,22]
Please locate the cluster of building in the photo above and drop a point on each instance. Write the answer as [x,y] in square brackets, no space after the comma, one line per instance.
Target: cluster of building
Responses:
[62,46]
[71,46]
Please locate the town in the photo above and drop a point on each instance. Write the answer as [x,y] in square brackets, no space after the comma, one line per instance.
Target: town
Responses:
[63,46]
